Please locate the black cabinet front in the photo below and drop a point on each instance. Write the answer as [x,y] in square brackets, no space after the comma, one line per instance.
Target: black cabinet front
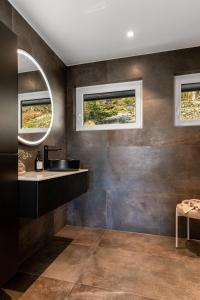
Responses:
[39,197]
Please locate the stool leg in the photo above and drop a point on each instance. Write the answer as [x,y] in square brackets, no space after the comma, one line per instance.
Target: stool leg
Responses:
[188,228]
[176,229]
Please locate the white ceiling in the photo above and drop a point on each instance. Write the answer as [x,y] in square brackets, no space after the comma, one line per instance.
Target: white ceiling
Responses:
[82,31]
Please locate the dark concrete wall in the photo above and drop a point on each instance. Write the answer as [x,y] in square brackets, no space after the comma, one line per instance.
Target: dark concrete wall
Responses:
[137,176]
[33,233]
[29,82]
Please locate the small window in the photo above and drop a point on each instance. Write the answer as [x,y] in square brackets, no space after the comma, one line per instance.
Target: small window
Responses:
[109,106]
[187,100]
[34,112]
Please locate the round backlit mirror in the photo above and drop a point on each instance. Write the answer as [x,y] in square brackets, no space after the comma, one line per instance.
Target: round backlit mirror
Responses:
[35,103]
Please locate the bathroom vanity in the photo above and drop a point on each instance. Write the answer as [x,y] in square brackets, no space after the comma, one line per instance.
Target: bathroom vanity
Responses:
[42,192]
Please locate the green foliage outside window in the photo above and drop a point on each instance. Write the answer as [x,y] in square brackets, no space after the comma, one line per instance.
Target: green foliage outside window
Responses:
[190,105]
[36,116]
[110,111]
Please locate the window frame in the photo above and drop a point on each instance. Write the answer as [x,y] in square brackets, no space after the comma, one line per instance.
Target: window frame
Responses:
[106,88]
[178,82]
[26,97]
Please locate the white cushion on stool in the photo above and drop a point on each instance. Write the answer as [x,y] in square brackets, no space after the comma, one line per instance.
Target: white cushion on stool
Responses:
[194,213]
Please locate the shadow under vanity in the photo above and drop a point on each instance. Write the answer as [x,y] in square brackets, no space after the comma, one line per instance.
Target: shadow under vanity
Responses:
[29,195]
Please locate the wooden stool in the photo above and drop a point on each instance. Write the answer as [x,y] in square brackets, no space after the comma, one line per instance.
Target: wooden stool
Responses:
[193,214]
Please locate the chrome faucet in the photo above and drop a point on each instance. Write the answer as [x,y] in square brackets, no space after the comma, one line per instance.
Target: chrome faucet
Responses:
[46,154]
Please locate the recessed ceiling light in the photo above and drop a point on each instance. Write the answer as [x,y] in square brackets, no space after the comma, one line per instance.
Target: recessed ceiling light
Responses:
[130,34]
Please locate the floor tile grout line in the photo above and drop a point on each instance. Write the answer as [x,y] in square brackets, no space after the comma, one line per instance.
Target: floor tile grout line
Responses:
[74,242]
[63,280]
[62,236]
[107,290]
[44,276]
[87,260]
[147,253]
[71,291]
[177,259]
[81,233]
[104,231]
[49,278]
[123,231]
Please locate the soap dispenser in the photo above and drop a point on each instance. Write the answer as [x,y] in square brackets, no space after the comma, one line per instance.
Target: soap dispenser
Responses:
[38,163]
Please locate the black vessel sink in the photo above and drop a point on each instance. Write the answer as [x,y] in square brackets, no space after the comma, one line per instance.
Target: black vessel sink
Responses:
[63,165]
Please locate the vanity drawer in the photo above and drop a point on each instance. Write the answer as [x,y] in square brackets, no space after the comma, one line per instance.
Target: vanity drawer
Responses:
[36,198]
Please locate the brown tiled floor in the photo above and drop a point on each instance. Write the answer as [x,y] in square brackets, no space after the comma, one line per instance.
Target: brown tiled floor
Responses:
[107,265]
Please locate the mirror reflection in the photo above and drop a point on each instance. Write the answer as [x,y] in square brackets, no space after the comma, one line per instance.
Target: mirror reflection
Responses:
[35,107]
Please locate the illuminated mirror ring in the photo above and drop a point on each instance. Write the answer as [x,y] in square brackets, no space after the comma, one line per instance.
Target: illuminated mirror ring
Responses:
[39,141]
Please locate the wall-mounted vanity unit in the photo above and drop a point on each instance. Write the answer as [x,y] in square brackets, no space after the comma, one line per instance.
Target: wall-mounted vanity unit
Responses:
[42,192]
